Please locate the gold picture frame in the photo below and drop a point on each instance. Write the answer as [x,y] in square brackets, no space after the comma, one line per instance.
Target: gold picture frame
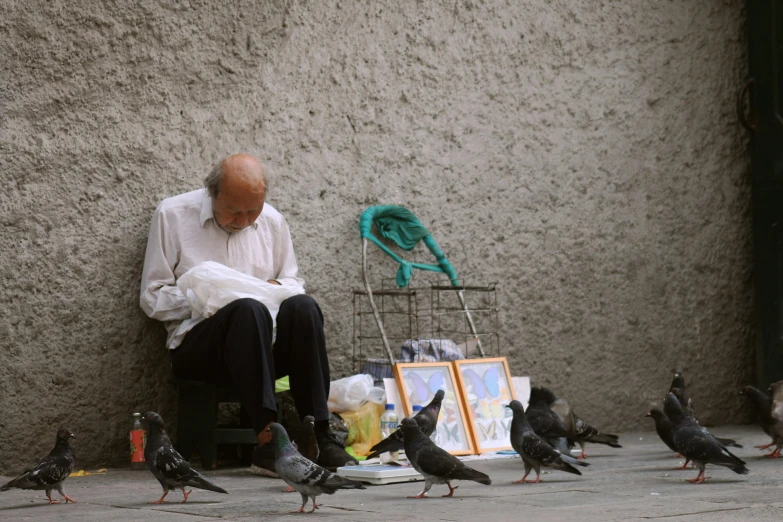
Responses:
[418,383]
[486,387]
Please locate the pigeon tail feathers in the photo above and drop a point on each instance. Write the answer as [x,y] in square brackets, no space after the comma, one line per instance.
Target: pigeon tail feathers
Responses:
[391,443]
[605,438]
[467,473]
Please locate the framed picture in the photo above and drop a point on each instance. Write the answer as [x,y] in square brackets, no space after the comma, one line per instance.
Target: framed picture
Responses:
[486,389]
[418,383]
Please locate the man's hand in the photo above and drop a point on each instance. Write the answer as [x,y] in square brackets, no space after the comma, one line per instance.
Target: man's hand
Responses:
[273,282]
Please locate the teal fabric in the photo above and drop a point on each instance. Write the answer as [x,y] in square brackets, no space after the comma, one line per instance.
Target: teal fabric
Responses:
[400,225]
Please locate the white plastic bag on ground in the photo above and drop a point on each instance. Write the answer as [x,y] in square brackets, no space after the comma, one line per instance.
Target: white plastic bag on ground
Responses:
[349,393]
[210,286]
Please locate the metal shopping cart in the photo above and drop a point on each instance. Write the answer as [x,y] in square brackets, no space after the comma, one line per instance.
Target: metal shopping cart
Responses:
[434,309]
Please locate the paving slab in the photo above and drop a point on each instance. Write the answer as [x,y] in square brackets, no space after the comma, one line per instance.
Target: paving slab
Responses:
[636,482]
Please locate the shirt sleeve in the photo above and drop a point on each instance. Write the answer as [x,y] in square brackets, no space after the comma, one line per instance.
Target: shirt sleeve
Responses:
[160,297]
[285,262]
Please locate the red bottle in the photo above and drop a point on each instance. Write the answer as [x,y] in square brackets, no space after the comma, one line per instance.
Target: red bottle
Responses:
[138,439]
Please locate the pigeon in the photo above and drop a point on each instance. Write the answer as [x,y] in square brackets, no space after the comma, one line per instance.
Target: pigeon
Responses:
[427,419]
[436,465]
[534,450]
[306,443]
[302,474]
[696,443]
[579,432]
[678,389]
[168,466]
[51,471]
[776,412]
[545,422]
[763,404]
[664,428]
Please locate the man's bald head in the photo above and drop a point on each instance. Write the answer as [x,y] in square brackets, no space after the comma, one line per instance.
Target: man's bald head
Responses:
[238,171]
[237,186]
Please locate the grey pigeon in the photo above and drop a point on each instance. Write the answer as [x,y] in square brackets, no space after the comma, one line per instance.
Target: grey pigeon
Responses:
[51,471]
[534,450]
[168,466]
[776,412]
[580,432]
[696,443]
[302,474]
[664,428]
[427,419]
[763,404]
[436,465]
[306,442]
[678,389]
[540,416]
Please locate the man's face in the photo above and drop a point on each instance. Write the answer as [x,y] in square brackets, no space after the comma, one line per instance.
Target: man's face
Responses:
[235,209]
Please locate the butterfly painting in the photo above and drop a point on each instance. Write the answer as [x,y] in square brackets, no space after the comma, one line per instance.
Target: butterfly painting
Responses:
[418,383]
[486,389]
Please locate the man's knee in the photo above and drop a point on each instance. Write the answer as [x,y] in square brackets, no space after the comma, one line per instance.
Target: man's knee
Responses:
[300,303]
[248,305]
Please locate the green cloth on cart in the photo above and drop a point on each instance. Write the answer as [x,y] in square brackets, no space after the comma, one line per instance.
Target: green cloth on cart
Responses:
[400,225]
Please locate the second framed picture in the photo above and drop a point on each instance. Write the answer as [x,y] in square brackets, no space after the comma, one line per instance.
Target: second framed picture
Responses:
[486,390]
[418,383]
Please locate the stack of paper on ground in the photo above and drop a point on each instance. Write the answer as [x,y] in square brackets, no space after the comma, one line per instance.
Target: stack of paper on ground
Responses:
[380,474]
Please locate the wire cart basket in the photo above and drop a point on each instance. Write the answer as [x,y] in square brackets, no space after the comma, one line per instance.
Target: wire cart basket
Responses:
[433,310]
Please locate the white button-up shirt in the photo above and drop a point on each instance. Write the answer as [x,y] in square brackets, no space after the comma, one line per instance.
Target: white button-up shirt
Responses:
[183,234]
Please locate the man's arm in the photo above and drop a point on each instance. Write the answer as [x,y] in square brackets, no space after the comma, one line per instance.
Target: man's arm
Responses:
[285,260]
[160,297]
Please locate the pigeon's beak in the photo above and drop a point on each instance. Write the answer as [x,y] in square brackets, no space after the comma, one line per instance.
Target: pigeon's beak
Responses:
[648,414]
[72,436]
[507,406]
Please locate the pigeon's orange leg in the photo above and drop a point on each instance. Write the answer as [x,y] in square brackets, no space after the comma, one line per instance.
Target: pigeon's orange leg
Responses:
[774,455]
[684,466]
[582,456]
[289,490]
[49,496]
[315,506]
[764,446]
[160,500]
[699,478]
[68,499]
[451,490]
[185,494]
[522,480]
[423,494]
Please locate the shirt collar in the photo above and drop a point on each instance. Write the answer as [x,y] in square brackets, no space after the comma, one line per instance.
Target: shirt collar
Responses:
[206,210]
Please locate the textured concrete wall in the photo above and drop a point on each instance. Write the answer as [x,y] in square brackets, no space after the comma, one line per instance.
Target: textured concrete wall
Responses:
[583,153]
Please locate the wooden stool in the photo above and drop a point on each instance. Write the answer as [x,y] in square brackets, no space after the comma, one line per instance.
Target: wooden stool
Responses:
[197,421]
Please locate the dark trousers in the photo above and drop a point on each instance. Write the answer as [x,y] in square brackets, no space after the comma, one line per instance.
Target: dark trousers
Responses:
[234,346]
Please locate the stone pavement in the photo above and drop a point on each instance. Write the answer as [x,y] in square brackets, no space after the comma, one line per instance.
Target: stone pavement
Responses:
[633,483]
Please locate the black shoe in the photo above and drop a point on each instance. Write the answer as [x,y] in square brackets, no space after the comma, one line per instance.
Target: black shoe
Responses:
[332,454]
[264,461]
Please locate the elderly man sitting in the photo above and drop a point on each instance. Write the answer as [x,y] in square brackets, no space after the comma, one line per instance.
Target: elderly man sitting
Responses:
[228,222]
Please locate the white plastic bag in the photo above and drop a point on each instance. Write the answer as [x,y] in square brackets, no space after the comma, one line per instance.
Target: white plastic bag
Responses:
[210,286]
[349,393]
